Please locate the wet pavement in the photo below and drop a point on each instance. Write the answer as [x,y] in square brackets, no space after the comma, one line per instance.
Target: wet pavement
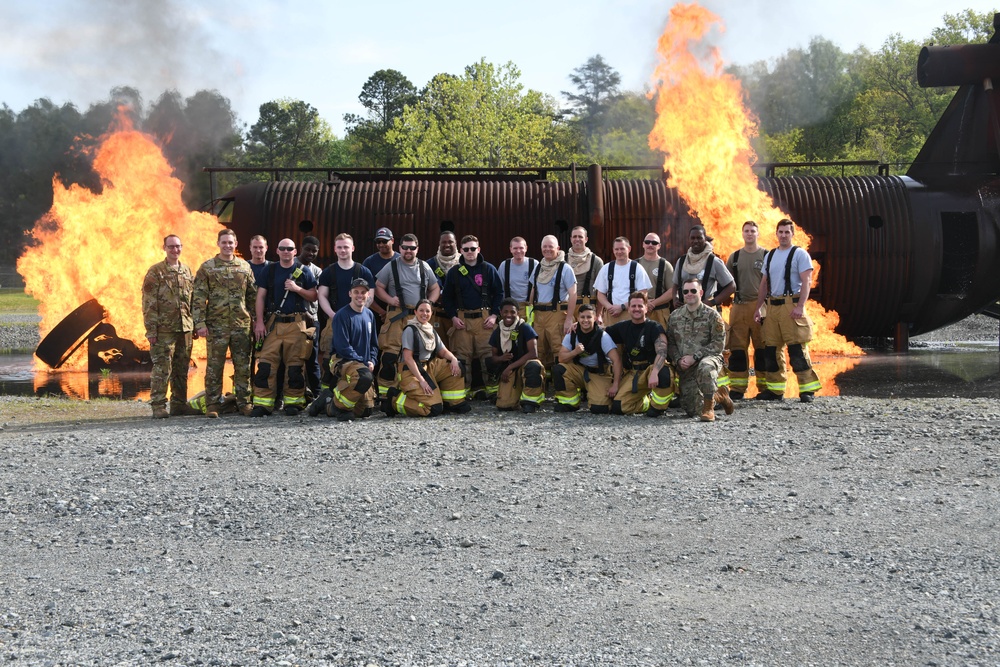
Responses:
[932,370]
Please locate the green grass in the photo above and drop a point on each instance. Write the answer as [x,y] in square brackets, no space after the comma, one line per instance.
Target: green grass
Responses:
[23,411]
[15,301]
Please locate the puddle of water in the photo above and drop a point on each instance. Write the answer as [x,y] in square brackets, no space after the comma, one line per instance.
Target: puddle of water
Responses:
[933,370]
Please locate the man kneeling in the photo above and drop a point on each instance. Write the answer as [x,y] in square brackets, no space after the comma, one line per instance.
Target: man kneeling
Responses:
[355,349]
[646,385]
[430,377]
[514,346]
[696,336]
[583,364]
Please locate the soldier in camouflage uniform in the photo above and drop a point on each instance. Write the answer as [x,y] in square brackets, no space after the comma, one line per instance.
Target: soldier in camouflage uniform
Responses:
[225,294]
[166,312]
[696,336]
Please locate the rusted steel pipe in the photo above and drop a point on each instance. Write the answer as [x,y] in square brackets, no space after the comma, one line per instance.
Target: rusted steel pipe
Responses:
[958,65]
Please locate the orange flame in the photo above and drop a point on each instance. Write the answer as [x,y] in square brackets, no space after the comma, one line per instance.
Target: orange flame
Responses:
[99,245]
[704,130]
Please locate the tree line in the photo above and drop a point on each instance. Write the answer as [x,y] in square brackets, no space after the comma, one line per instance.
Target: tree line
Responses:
[817,103]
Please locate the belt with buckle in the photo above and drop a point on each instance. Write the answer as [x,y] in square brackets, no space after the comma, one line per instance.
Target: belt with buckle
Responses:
[549,308]
[472,314]
[285,319]
[781,300]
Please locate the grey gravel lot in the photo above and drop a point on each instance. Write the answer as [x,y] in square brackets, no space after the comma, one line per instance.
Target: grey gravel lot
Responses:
[851,531]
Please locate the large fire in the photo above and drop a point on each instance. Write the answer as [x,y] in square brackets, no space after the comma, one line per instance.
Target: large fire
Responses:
[704,130]
[99,245]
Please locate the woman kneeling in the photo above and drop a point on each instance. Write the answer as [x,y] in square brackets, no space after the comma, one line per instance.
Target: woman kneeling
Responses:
[431,378]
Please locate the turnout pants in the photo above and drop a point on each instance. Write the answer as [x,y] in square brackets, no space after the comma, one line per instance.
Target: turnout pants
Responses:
[744,330]
[548,324]
[237,343]
[390,342]
[445,388]
[781,330]
[289,342]
[634,395]
[171,356]
[354,387]
[524,385]
[571,379]
[472,347]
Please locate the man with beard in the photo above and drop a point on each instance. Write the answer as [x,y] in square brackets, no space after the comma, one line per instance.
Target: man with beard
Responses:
[586,265]
[646,384]
[584,365]
[553,300]
[472,296]
[661,273]
[514,361]
[447,257]
[696,336]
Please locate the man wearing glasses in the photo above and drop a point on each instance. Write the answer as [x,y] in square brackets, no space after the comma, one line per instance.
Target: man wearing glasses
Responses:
[401,284]
[225,294]
[472,295]
[696,336]
[661,273]
[287,332]
[166,312]
[376,261]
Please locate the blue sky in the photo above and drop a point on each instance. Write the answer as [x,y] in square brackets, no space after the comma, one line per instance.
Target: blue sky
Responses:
[322,52]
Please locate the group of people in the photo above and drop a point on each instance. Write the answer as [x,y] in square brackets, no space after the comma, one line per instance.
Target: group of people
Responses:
[420,338]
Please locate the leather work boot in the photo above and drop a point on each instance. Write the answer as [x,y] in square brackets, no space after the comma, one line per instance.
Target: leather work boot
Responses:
[722,398]
[708,410]
[318,406]
[246,410]
[160,412]
[212,411]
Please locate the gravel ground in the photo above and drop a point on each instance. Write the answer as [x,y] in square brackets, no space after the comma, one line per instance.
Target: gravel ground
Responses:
[851,531]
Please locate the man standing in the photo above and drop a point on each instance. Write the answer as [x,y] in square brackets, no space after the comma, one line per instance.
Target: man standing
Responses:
[746,265]
[376,262]
[334,293]
[696,336]
[447,256]
[310,250]
[644,360]
[583,364]
[166,312]
[258,261]
[472,296]
[618,281]
[702,263]
[787,272]
[661,273]
[286,333]
[586,265]
[515,274]
[355,348]
[553,300]
[400,285]
[514,361]
[225,294]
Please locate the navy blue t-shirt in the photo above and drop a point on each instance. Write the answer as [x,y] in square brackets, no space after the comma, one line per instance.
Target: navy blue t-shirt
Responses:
[276,289]
[344,279]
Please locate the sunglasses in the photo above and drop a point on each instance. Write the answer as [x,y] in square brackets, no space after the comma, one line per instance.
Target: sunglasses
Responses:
[285,248]
[470,249]
[407,247]
[381,241]
[651,242]
[689,291]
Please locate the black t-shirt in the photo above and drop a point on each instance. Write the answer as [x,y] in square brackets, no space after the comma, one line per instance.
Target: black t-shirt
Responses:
[637,340]
[276,289]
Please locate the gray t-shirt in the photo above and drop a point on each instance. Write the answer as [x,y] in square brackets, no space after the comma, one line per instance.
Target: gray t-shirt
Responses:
[590,360]
[409,341]
[653,270]
[801,261]
[719,276]
[519,275]
[544,290]
[409,278]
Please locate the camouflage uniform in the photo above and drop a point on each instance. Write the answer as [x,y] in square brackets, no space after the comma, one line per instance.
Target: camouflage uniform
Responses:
[225,294]
[702,334]
[166,312]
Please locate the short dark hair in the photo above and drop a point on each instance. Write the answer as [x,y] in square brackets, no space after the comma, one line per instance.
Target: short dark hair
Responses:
[751,223]
[469,238]
[638,295]
[586,308]
[785,222]
[225,232]
[407,238]
[311,239]
[696,281]
[507,302]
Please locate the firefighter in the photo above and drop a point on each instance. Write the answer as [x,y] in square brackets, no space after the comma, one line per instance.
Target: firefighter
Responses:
[785,288]
[514,361]
[646,384]
[588,360]
[355,349]
[553,300]
[287,331]
[747,266]
[618,280]
[586,265]
[430,376]
[661,274]
[472,295]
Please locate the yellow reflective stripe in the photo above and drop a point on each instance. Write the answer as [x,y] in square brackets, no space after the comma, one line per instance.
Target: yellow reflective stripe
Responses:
[454,395]
[198,403]
[570,400]
[661,401]
[811,386]
[401,404]
[532,399]
[293,401]
[343,399]
[263,402]
[776,387]
[645,403]
[722,381]
[738,383]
